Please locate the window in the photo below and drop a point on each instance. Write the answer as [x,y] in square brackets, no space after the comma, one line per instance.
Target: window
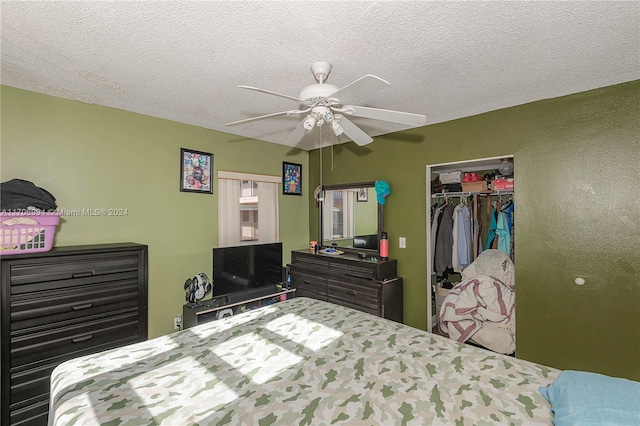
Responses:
[248,208]
[338,213]
[338,209]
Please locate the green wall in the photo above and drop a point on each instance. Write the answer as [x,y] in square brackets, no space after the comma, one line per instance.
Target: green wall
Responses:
[366,214]
[577,201]
[95,157]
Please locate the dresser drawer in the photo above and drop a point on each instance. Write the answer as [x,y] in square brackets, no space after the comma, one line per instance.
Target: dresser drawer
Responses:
[68,271]
[308,285]
[30,383]
[368,309]
[301,292]
[362,271]
[364,296]
[46,307]
[65,337]
[36,413]
[310,260]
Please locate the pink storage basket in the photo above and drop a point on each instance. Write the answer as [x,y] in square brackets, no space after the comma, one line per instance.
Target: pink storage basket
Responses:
[27,232]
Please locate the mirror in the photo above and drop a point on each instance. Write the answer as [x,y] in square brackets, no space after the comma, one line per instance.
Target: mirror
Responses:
[350,217]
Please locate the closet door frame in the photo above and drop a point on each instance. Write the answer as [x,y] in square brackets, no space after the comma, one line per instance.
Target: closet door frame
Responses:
[464,166]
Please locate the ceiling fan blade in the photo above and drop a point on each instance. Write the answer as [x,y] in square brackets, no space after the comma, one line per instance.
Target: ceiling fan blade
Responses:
[296,135]
[275,114]
[360,88]
[268,92]
[386,115]
[354,132]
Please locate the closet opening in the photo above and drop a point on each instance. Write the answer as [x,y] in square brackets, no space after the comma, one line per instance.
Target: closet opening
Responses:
[469,206]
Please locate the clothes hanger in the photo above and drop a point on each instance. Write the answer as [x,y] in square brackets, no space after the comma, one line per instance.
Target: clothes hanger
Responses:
[446,203]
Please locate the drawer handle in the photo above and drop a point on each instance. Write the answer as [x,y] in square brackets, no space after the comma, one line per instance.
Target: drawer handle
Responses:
[81,307]
[351,292]
[83,274]
[82,339]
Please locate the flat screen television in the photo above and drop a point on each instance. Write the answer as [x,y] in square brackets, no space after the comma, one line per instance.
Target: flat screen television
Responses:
[249,267]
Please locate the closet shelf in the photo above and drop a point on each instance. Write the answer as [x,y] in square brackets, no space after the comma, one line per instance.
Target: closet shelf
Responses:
[460,194]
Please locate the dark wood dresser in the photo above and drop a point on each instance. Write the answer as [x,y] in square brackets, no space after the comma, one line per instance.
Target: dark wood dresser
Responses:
[61,304]
[365,285]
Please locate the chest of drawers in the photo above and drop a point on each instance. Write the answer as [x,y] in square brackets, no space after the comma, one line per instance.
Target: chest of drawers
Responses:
[346,280]
[61,304]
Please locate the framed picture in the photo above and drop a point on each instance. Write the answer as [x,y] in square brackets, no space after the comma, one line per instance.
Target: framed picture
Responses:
[363,195]
[291,178]
[195,171]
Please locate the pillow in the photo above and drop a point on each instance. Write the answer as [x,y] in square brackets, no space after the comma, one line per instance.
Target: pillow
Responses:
[581,398]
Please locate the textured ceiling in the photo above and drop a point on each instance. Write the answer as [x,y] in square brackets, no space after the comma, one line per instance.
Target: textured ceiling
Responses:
[183,60]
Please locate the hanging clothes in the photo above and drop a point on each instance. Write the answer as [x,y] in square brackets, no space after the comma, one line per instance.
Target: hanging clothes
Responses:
[463,238]
[444,240]
[480,226]
[435,214]
[508,208]
[501,227]
[492,220]
[454,247]
[475,224]
[503,233]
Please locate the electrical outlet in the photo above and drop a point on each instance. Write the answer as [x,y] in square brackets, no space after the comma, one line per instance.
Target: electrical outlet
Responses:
[402,242]
[177,322]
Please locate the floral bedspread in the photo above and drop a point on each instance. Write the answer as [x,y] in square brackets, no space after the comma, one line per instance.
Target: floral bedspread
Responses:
[299,362]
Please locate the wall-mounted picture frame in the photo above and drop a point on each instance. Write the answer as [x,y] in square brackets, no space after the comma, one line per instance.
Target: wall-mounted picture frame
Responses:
[291,178]
[196,169]
[363,195]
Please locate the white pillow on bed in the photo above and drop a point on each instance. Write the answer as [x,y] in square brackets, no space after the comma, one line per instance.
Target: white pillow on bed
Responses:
[581,398]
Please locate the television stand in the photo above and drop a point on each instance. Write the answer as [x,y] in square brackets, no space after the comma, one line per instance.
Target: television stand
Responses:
[231,304]
[249,294]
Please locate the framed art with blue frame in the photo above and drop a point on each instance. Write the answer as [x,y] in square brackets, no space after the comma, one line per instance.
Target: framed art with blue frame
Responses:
[291,178]
[195,171]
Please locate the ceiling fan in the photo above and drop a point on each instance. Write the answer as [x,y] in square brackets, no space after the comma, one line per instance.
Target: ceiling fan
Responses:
[323,103]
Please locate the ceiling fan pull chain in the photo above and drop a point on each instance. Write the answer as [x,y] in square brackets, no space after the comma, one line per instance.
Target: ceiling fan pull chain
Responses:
[331,157]
[320,142]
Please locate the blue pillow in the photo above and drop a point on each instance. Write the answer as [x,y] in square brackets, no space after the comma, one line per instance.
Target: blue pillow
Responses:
[581,398]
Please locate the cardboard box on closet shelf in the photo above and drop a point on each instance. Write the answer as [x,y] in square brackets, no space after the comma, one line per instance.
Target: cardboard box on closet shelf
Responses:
[502,184]
[474,186]
[451,177]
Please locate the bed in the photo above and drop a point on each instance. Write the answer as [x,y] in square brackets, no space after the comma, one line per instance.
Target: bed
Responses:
[302,362]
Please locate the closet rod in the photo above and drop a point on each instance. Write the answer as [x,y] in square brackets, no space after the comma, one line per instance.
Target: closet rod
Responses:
[459,194]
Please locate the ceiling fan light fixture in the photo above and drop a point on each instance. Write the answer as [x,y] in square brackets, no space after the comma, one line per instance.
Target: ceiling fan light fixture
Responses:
[309,122]
[335,126]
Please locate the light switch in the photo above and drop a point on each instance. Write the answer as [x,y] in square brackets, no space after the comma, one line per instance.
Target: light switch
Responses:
[402,242]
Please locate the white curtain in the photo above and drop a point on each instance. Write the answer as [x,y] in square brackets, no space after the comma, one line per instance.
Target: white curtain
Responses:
[267,212]
[348,218]
[229,230]
[229,212]
[327,215]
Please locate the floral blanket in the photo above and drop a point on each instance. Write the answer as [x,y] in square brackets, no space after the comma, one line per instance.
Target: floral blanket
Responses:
[299,362]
